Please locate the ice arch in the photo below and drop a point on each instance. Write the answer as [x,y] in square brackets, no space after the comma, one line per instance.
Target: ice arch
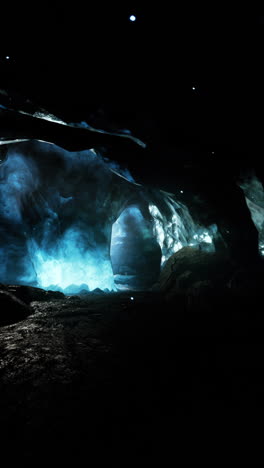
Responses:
[135,251]
[57,210]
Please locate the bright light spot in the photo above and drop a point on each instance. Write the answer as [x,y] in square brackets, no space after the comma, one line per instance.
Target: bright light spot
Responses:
[5,142]
[49,117]
[204,237]
[132,18]
[131,298]
[154,211]
[160,233]
[181,191]
[170,242]
[261,249]
[177,246]
[193,88]
[158,225]
[7,57]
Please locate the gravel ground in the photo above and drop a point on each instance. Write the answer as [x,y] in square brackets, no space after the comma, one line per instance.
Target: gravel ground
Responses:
[107,379]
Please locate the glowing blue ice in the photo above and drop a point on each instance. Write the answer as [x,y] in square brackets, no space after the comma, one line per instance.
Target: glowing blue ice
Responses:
[69,263]
[203,237]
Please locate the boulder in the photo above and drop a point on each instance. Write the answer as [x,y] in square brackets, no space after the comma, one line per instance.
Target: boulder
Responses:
[193,272]
[97,291]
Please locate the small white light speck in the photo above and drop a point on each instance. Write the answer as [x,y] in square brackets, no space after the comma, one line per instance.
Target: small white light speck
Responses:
[132,18]
[193,88]
[132,298]
[181,191]
[7,57]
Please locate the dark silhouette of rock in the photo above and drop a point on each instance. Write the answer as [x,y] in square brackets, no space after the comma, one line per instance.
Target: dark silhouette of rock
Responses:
[29,294]
[12,309]
[98,291]
[15,125]
[53,295]
[83,292]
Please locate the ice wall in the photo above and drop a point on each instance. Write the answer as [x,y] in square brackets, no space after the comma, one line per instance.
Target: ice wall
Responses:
[57,210]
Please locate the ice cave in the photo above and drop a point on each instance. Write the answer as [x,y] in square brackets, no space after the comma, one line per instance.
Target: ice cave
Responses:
[114,289]
[75,220]
[70,221]
[131,234]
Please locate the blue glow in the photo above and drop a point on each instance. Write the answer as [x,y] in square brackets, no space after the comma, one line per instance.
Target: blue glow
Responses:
[48,255]
[72,221]
[132,18]
[70,263]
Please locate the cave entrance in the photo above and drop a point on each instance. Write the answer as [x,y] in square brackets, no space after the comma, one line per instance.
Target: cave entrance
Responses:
[135,252]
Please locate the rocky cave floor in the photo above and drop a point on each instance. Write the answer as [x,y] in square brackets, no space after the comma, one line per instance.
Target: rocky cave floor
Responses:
[105,379]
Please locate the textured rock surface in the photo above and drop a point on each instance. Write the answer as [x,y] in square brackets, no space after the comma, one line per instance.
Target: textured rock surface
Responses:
[191,270]
[15,301]
[29,294]
[107,379]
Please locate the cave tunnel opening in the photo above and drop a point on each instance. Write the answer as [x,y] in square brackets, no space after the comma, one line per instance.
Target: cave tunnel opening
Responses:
[135,252]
